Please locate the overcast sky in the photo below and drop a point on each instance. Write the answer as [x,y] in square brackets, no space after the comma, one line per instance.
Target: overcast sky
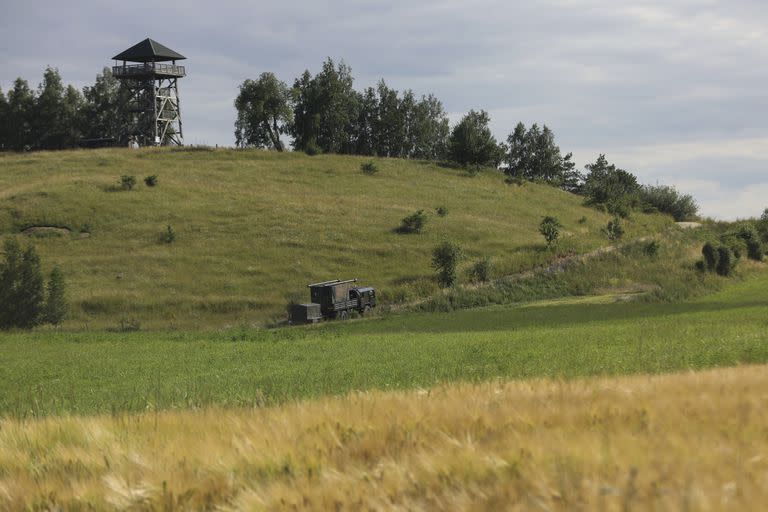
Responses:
[675,91]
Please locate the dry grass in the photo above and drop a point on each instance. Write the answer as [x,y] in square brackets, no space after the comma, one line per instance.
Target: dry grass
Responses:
[696,441]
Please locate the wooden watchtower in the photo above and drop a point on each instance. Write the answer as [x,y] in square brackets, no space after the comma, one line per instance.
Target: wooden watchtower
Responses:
[153,81]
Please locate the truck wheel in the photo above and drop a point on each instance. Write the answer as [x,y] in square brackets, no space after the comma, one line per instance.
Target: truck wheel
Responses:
[343,315]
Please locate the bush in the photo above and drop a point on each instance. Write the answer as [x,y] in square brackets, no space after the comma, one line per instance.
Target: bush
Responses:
[755,250]
[413,223]
[550,229]
[711,256]
[651,249]
[726,261]
[441,211]
[582,220]
[481,270]
[668,200]
[151,181]
[313,148]
[445,258]
[169,235]
[614,229]
[127,182]
[369,168]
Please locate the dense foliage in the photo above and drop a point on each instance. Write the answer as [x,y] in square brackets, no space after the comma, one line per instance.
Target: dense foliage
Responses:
[23,301]
[472,143]
[58,117]
[533,155]
[445,259]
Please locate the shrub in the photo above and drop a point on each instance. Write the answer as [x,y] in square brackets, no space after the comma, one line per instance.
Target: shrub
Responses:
[582,220]
[127,182]
[701,266]
[550,229]
[169,235]
[755,250]
[55,308]
[313,148]
[151,181]
[445,258]
[726,261]
[441,211]
[370,168]
[614,229]
[668,200]
[651,249]
[711,256]
[413,223]
[481,270]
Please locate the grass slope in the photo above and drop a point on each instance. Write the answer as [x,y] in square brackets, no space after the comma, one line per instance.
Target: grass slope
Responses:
[694,441]
[253,227]
[101,372]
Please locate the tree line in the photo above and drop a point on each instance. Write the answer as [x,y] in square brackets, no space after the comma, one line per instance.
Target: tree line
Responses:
[57,117]
[325,114]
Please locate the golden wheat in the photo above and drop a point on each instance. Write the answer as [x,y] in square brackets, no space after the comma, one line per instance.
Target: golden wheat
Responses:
[696,441]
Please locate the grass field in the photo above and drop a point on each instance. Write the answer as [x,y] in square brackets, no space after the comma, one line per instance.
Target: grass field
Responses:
[254,227]
[694,441]
[45,373]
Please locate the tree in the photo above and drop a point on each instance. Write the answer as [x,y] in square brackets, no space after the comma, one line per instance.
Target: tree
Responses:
[9,272]
[22,293]
[533,155]
[263,113]
[389,125]
[430,130]
[605,183]
[4,121]
[445,258]
[55,308]
[104,114]
[21,105]
[550,229]
[472,143]
[49,121]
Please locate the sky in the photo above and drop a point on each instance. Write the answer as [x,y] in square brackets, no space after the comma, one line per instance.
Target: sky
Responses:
[675,91]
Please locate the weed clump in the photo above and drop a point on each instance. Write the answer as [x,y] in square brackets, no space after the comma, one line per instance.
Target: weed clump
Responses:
[151,180]
[481,270]
[169,235]
[614,230]
[370,168]
[441,211]
[127,182]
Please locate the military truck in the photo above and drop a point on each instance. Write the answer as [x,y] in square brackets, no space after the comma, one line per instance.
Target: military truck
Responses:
[333,299]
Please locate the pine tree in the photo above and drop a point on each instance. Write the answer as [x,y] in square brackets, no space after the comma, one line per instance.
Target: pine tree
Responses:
[56,304]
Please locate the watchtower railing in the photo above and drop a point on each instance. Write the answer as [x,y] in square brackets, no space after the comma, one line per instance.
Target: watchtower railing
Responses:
[148,68]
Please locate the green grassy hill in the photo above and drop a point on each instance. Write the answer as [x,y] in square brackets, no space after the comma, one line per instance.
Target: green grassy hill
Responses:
[253,228]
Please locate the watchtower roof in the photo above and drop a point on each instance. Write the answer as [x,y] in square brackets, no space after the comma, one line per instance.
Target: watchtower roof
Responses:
[148,50]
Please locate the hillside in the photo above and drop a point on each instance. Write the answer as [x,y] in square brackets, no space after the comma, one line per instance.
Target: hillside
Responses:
[253,228]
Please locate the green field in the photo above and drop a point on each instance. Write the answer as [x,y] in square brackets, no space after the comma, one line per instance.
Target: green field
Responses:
[253,228]
[51,373]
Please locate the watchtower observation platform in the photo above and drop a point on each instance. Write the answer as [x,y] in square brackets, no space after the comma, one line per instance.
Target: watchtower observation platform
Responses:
[148,70]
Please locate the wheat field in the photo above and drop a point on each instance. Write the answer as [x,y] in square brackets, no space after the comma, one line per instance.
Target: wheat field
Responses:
[693,441]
